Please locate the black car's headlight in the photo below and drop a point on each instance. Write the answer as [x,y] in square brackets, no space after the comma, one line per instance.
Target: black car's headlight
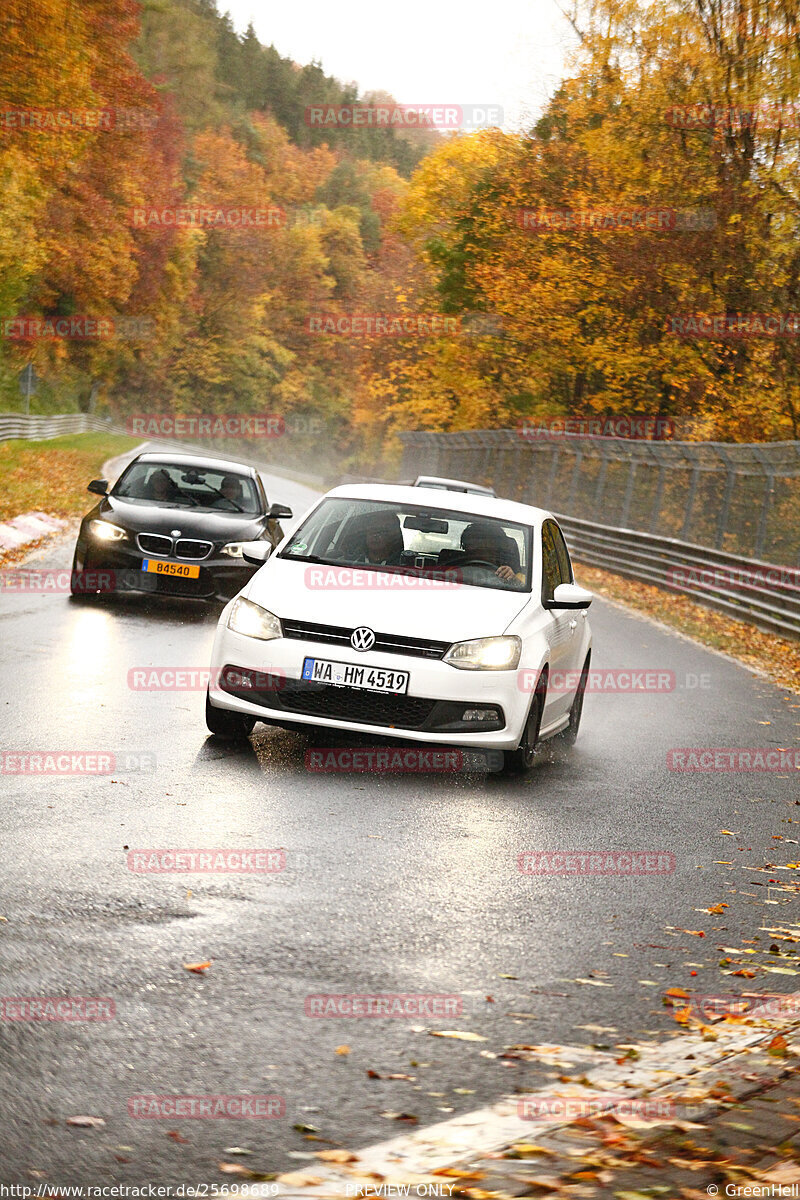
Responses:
[232,549]
[486,654]
[104,531]
[253,621]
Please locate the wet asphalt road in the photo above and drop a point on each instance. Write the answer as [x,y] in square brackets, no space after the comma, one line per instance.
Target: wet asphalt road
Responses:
[393,884]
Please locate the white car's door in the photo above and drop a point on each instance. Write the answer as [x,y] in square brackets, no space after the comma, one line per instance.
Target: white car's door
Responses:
[564,629]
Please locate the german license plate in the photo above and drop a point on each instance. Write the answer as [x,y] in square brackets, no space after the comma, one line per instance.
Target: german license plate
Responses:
[370,679]
[157,566]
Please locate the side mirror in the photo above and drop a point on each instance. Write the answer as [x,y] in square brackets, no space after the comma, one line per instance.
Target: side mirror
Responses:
[99,487]
[569,595]
[256,553]
[279,510]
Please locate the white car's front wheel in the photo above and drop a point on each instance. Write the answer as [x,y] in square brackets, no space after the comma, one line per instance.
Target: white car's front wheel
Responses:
[518,761]
[226,724]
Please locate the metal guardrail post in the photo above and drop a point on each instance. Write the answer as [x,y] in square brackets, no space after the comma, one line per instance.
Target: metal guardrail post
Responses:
[551,479]
[659,496]
[626,504]
[766,504]
[687,520]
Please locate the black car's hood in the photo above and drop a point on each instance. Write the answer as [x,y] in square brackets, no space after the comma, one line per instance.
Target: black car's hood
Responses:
[139,516]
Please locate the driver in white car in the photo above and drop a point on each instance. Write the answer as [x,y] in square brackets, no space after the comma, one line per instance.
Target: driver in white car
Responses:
[481,541]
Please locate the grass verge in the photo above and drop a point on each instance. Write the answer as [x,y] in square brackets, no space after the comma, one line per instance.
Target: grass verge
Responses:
[778,657]
[51,476]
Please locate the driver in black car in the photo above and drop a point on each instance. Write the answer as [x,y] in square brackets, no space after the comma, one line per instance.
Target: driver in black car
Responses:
[481,541]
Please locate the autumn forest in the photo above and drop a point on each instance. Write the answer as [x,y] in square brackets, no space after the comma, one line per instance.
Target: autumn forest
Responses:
[635,251]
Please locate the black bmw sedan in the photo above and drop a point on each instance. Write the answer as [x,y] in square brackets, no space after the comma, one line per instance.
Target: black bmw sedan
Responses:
[174,524]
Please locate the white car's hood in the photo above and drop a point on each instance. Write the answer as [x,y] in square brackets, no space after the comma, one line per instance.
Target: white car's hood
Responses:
[446,614]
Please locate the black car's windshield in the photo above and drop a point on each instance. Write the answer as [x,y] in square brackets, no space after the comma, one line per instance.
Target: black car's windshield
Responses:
[176,484]
[385,536]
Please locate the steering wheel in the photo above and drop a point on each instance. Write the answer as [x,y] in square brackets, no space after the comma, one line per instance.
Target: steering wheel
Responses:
[473,562]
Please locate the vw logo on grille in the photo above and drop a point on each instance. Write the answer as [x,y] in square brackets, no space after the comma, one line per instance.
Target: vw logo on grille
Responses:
[362,638]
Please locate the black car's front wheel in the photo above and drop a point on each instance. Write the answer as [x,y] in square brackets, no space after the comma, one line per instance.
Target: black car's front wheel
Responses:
[226,724]
[78,578]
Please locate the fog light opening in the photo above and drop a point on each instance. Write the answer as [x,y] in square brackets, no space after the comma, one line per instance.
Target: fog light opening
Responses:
[479,714]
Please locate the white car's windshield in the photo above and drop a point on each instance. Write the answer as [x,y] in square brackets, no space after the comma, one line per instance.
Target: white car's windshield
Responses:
[389,536]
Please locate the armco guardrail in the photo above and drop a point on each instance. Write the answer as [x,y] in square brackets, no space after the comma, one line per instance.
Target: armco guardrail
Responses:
[741,498]
[17,425]
[763,594]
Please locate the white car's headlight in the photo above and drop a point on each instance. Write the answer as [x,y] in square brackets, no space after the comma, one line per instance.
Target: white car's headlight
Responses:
[253,621]
[233,549]
[104,531]
[486,654]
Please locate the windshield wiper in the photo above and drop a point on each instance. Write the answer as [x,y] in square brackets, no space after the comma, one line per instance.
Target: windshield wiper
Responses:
[312,558]
[211,488]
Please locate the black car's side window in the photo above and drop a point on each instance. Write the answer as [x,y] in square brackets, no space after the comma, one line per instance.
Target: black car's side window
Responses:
[551,571]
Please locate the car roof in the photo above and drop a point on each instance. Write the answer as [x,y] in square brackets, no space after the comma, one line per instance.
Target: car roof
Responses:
[467,502]
[453,484]
[196,460]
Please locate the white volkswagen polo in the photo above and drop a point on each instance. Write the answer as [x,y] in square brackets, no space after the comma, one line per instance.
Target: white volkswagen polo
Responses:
[397,612]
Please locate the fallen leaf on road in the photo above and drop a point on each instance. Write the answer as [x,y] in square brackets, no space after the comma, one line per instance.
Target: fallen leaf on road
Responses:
[177,1137]
[342,1050]
[458,1173]
[337,1156]
[716,908]
[401,1116]
[744,972]
[303,1179]
[237,1169]
[236,1150]
[593,982]
[198,968]
[781,1173]
[459,1034]
[86,1122]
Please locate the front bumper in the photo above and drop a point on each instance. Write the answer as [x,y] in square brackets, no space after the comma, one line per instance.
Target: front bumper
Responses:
[220,577]
[429,712]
